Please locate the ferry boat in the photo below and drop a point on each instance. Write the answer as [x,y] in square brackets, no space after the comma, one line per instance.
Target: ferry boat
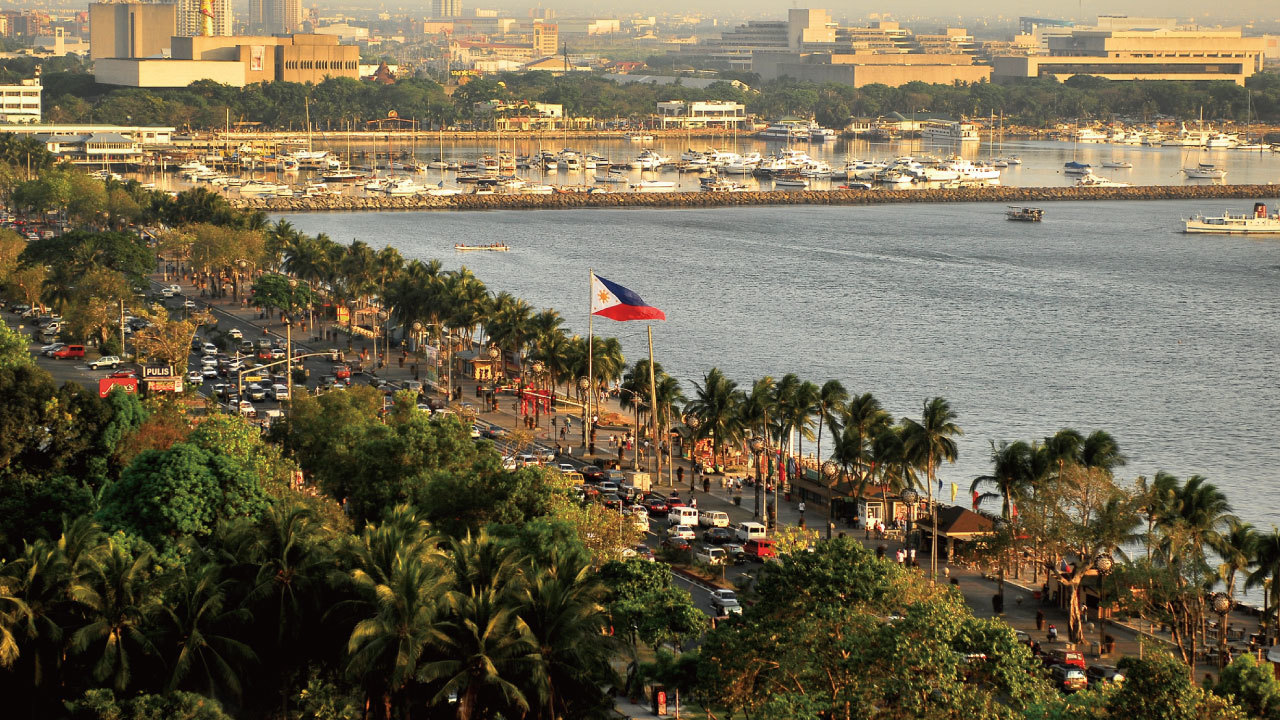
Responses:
[1259,223]
[1024,214]
[943,131]
[1205,171]
[492,247]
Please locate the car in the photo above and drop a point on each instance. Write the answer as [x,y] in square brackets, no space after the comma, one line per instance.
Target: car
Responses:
[246,408]
[246,346]
[277,353]
[195,377]
[640,521]
[608,487]
[592,473]
[208,373]
[20,308]
[717,536]
[611,501]
[235,334]
[279,391]
[675,543]
[256,392]
[51,348]
[644,553]
[1100,674]
[737,555]
[67,352]
[1068,678]
[657,507]
[125,373]
[208,349]
[684,532]
[565,467]
[170,291]
[342,372]
[105,361]
[189,304]
[760,550]
[725,601]
[616,476]
[711,556]
[209,361]
[1059,656]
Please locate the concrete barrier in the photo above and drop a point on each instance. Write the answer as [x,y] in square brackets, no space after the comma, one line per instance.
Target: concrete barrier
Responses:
[569,200]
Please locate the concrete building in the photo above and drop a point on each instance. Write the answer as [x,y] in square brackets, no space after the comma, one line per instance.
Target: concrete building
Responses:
[25,24]
[20,104]
[236,61]
[546,39]
[1138,54]
[701,114]
[446,8]
[189,17]
[344,32]
[273,17]
[131,29]
[864,68]
[59,44]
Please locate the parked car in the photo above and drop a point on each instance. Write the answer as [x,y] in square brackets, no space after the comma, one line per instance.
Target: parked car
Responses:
[1059,656]
[711,556]
[1068,678]
[105,361]
[51,348]
[69,351]
[725,602]
[717,536]
[125,373]
[1099,674]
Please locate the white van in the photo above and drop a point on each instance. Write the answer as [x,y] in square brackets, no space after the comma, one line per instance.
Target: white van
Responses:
[750,531]
[713,518]
[683,516]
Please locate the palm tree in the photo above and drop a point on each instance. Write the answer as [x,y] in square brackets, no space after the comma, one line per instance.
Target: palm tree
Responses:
[15,618]
[196,621]
[715,404]
[1267,573]
[928,443]
[864,420]
[670,398]
[1154,499]
[800,411]
[358,274]
[1237,548]
[1011,475]
[830,407]
[119,600]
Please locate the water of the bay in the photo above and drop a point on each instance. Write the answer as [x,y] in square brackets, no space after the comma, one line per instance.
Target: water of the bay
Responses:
[1103,316]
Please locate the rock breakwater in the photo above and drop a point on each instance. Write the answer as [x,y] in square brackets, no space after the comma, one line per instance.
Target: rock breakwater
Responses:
[571,200]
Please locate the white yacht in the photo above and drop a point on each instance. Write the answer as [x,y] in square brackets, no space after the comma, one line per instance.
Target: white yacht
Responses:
[787,129]
[1258,223]
[1089,135]
[1091,180]
[1117,164]
[1205,171]
[947,132]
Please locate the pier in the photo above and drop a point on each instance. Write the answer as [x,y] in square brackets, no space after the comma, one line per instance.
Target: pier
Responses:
[570,200]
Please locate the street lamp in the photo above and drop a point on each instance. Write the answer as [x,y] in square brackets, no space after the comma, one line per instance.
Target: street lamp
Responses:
[910,497]
[692,422]
[1221,606]
[1104,564]
[537,368]
[830,471]
[758,448]
[288,351]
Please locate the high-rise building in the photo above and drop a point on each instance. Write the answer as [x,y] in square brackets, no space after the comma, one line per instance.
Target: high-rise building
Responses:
[446,8]
[275,17]
[546,39]
[130,29]
[189,17]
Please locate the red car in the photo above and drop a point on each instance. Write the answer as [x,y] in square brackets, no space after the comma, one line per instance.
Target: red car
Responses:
[126,373]
[70,351]
[342,372]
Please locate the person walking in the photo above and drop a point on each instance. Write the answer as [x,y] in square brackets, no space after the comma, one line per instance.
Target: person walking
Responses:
[1053,633]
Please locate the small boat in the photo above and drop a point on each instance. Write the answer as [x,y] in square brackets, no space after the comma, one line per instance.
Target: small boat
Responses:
[1259,223]
[1024,214]
[791,182]
[613,177]
[1091,180]
[1077,168]
[1205,171]
[653,185]
[855,186]
[1117,164]
[342,175]
[492,247]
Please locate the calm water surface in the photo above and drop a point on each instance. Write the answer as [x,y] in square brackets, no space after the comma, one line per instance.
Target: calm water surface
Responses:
[1103,316]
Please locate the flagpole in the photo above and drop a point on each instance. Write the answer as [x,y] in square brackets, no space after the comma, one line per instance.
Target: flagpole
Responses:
[591,351]
[653,411]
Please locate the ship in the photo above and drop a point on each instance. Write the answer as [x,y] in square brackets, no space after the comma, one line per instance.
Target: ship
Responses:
[1258,223]
[943,131]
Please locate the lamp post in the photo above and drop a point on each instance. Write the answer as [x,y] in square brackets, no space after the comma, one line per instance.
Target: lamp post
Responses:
[1103,564]
[288,353]
[758,448]
[537,369]
[1221,606]
[830,471]
[910,497]
[584,385]
[693,423]
[1266,611]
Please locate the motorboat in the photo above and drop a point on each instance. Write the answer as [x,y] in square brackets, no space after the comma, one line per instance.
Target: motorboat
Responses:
[342,175]
[791,182]
[401,187]
[1024,214]
[653,185]
[616,178]
[788,130]
[1205,171]
[442,191]
[723,186]
[1091,180]
[1258,223]
[1077,168]
[1117,164]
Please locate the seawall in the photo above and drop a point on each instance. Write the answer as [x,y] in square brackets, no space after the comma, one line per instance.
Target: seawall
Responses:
[562,201]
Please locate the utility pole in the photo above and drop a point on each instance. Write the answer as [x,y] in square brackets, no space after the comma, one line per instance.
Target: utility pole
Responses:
[288,355]
[122,328]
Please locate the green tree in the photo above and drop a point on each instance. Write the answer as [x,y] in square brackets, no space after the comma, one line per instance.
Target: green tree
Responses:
[1250,685]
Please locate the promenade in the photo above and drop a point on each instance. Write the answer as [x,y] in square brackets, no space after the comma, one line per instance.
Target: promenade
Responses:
[1021,606]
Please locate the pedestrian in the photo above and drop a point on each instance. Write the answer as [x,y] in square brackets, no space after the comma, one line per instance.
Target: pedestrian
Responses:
[1053,634]
[911,554]
[562,433]
[801,508]
[694,503]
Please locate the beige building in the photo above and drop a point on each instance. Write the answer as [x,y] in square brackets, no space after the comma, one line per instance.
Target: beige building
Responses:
[131,29]
[1159,54]
[701,114]
[20,103]
[866,68]
[236,61]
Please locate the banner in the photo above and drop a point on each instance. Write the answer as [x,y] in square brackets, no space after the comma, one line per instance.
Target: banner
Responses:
[128,385]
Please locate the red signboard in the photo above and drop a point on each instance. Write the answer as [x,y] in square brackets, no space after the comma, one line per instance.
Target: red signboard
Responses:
[173,385]
[129,385]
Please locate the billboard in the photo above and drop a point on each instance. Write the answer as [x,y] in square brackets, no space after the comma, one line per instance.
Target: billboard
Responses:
[173,385]
[256,54]
[154,372]
[129,385]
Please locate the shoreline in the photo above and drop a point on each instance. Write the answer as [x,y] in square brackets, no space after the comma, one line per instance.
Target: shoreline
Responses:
[698,199]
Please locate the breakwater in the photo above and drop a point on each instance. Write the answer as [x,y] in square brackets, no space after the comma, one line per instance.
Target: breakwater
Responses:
[569,200]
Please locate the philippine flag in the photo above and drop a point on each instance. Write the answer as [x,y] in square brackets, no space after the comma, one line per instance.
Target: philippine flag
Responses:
[615,302]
